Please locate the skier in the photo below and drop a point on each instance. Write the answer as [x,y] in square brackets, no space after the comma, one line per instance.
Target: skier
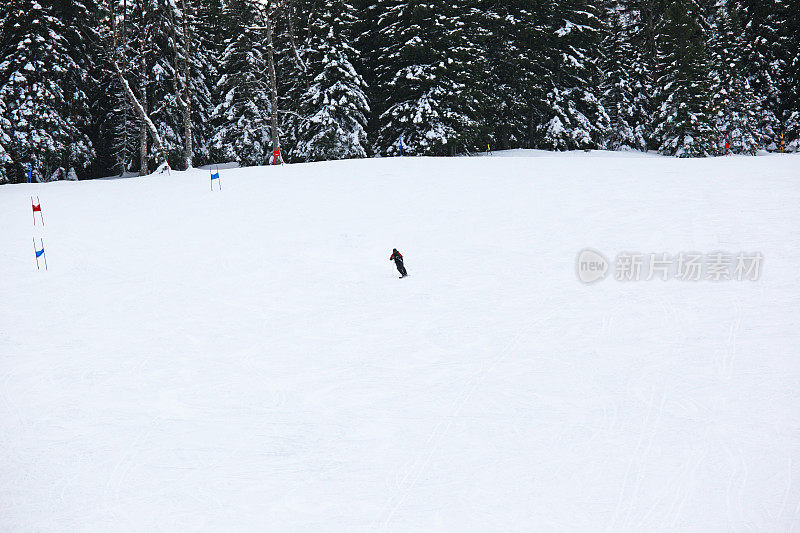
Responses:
[727,146]
[397,257]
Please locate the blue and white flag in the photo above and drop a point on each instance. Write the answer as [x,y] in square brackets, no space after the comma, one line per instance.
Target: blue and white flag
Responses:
[39,253]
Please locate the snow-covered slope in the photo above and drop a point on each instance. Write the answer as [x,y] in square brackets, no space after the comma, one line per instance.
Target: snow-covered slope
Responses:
[248,360]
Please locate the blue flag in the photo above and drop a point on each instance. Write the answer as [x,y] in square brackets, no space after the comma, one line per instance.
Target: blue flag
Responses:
[39,253]
[215,176]
[30,172]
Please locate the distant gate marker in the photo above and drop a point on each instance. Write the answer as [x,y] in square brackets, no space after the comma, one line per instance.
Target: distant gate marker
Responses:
[215,176]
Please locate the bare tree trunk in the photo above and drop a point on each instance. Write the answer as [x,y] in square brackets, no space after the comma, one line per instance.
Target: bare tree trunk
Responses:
[143,167]
[297,57]
[141,110]
[116,53]
[184,100]
[273,92]
[267,9]
[187,89]
[120,160]
[125,154]
[147,124]
[143,93]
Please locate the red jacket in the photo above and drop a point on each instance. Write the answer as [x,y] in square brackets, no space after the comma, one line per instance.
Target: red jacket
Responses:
[396,256]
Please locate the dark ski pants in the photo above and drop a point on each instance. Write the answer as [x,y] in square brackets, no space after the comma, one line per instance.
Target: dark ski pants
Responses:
[400,267]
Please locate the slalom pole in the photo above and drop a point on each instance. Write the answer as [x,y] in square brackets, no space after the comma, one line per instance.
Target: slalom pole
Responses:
[44,254]
[37,207]
[34,252]
[219,179]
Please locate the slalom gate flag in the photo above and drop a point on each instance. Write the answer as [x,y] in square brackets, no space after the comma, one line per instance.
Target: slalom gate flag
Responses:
[215,176]
[402,152]
[276,154]
[37,208]
[39,253]
[30,172]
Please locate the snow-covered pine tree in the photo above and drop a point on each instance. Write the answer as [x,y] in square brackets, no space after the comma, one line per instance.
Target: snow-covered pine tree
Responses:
[575,117]
[641,18]
[761,21]
[42,81]
[190,65]
[292,72]
[208,31]
[514,42]
[110,106]
[335,106]
[58,174]
[684,121]
[160,60]
[95,66]
[619,85]
[734,102]
[268,15]
[5,159]
[119,126]
[241,120]
[789,53]
[117,123]
[5,126]
[145,55]
[792,132]
[371,43]
[428,70]
[139,75]
[81,18]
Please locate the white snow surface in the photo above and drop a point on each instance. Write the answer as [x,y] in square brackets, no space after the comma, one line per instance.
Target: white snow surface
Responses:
[247,360]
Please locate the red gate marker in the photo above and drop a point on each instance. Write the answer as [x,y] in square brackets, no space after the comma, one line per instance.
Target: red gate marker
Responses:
[37,207]
[276,154]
